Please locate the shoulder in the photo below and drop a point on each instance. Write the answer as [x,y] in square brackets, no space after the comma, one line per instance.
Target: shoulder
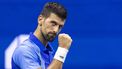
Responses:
[25,56]
[24,51]
[24,48]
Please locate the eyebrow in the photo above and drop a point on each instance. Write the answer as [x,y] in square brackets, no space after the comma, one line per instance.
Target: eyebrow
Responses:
[56,22]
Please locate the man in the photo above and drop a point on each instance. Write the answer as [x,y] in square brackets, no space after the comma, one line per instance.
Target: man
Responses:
[36,52]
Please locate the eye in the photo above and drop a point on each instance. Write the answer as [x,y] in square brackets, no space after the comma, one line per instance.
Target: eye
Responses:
[53,23]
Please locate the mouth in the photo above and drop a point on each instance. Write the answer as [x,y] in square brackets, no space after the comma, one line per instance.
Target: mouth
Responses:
[51,35]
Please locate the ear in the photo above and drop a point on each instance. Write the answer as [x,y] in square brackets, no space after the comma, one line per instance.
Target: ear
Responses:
[40,20]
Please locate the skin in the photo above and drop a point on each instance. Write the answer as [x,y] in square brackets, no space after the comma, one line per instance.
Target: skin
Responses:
[48,28]
[46,31]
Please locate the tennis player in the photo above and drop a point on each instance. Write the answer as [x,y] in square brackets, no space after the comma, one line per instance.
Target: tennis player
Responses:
[36,52]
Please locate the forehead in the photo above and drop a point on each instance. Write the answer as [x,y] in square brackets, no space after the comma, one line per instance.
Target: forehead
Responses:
[54,17]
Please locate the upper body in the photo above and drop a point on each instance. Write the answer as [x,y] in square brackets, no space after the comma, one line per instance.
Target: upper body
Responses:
[50,22]
[31,54]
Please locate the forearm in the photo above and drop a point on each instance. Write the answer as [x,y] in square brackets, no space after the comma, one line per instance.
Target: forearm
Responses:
[56,64]
[59,58]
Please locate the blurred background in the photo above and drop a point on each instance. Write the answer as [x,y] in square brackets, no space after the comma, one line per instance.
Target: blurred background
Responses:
[94,25]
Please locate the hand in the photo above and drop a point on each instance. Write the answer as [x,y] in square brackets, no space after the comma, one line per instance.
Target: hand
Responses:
[64,40]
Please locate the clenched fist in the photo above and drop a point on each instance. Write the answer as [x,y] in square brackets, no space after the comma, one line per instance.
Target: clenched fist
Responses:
[64,40]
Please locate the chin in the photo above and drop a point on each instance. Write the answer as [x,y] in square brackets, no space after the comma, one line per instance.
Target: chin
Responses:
[51,39]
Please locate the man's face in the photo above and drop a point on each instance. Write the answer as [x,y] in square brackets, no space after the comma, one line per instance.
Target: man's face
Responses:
[51,26]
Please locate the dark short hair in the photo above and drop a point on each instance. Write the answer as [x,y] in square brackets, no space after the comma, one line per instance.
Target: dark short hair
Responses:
[56,8]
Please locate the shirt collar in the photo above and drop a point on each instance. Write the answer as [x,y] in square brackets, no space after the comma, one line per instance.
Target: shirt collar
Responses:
[39,44]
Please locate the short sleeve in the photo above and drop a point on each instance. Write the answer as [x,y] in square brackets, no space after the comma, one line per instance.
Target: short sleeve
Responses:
[26,58]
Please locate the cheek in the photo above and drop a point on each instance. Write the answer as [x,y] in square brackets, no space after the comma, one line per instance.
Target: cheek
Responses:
[45,28]
[48,27]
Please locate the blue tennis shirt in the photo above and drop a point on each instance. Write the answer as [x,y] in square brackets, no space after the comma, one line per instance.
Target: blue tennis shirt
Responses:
[32,54]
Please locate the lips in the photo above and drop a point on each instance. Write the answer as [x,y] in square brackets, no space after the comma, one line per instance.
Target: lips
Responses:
[52,34]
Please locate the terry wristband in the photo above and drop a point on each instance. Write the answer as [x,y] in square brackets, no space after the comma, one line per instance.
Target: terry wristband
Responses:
[61,54]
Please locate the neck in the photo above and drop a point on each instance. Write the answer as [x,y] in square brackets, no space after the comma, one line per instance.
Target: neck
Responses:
[39,35]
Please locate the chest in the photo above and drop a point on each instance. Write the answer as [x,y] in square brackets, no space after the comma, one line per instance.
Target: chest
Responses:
[47,58]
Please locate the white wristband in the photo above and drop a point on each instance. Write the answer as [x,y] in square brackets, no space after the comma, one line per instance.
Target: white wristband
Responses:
[61,54]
